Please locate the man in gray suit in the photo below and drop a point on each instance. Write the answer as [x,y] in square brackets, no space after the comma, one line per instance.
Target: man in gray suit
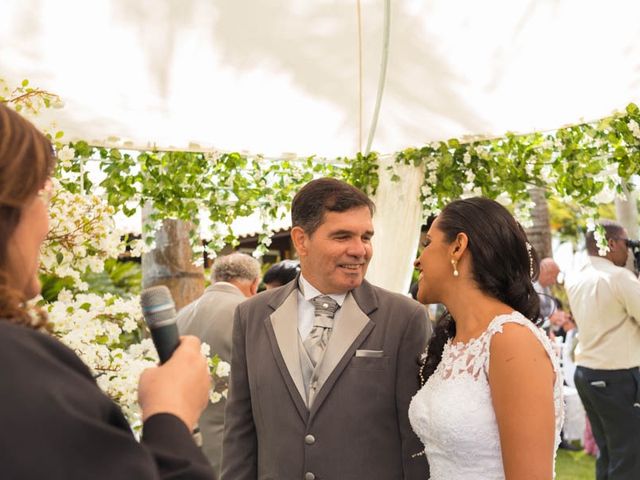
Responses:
[210,318]
[323,368]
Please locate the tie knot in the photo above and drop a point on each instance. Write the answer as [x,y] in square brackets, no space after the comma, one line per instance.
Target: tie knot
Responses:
[324,306]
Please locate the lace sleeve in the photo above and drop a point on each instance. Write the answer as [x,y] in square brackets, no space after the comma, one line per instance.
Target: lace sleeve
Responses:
[496,327]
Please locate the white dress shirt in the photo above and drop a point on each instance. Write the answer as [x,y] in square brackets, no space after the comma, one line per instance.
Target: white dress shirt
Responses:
[306,310]
[605,302]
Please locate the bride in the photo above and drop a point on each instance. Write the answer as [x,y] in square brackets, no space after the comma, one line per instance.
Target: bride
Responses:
[491,405]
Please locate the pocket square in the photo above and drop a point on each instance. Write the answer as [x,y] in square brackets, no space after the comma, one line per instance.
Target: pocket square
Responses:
[370,353]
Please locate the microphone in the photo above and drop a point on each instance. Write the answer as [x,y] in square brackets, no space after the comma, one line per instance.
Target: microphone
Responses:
[159,313]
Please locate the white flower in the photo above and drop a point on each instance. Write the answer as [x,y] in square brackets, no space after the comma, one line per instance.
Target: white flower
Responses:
[635,128]
[467,190]
[81,237]
[601,240]
[260,251]
[432,164]
[223,369]
[93,326]
[504,199]
[523,214]
[529,168]
[66,154]
[471,177]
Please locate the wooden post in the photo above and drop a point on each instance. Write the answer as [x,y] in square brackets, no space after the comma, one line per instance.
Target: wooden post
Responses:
[540,233]
[170,263]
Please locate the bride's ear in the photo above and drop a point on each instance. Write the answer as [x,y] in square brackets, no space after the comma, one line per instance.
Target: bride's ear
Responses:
[459,245]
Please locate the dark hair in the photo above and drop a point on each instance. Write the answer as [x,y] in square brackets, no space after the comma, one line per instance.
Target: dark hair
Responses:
[26,161]
[325,195]
[413,290]
[612,230]
[558,302]
[502,263]
[282,272]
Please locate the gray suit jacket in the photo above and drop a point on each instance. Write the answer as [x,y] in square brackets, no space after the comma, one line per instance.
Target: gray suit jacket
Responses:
[357,427]
[210,318]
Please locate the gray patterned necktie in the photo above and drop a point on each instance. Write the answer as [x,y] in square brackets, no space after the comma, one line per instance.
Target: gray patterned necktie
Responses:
[316,343]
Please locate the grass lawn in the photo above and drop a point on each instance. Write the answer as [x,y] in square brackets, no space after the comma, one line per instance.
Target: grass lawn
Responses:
[575,466]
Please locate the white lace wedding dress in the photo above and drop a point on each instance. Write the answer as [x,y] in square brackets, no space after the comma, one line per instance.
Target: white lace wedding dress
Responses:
[453,414]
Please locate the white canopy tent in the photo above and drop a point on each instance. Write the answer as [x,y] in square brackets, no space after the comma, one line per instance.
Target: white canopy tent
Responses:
[284,75]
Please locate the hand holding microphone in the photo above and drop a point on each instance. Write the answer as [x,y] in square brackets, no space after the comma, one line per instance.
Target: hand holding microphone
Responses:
[180,385]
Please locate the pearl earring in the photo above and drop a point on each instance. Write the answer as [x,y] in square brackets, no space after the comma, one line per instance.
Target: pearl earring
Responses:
[455,268]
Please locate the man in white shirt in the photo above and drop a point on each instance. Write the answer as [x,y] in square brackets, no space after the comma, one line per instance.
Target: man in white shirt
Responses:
[605,301]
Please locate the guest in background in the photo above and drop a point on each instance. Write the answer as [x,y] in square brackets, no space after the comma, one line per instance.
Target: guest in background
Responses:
[569,345]
[560,324]
[590,446]
[560,321]
[605,301]
[281,273]
[235,278]
[549,271]
[56,423]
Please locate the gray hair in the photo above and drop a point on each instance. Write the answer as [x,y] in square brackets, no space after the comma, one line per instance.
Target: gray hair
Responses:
[236,266]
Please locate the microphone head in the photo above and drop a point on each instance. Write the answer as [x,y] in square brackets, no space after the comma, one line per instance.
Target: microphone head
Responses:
[157,305]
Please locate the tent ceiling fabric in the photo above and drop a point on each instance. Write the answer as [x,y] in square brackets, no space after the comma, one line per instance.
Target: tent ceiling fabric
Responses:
[282,76]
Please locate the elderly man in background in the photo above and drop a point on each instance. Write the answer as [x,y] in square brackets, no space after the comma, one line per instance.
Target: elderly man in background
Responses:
[549,271]
[605,301]
[234,278]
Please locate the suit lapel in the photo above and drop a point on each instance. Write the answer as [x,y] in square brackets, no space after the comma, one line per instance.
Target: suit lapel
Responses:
[352,327]
[284,324]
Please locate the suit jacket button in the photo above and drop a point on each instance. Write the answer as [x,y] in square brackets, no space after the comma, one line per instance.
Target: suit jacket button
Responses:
[309,476]
[309,439]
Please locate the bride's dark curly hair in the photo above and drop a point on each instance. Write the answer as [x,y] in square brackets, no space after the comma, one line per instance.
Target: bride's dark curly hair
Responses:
[503,264]
[26,161]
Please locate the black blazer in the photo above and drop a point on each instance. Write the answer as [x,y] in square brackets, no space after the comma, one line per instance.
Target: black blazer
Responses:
[55,422]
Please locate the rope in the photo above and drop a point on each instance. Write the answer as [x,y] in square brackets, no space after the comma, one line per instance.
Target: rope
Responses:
[360,92]
[383,74]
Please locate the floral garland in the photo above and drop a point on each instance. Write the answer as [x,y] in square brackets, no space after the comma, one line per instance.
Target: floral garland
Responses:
[106,331]
[587,163]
